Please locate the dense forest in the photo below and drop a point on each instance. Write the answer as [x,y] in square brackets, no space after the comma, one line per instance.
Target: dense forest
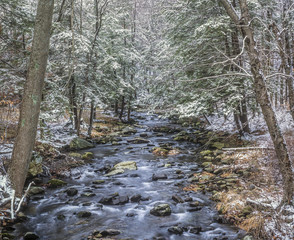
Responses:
[202,89]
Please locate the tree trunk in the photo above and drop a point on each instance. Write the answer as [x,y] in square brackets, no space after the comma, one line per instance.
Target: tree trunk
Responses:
[129,111]
[244,116]
[30,108]
[116,107]
[122,107]
[92,112]
[263,97]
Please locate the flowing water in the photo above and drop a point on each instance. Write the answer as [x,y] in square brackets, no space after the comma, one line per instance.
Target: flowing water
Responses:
[133,219]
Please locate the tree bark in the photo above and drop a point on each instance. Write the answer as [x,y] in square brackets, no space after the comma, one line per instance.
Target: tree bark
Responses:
[263,97]
[92,113]
[122,107]
[30,108]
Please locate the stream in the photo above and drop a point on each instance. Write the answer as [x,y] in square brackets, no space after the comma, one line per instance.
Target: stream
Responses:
[54,215]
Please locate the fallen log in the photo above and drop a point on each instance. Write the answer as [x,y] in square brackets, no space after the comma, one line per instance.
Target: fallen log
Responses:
[248,149]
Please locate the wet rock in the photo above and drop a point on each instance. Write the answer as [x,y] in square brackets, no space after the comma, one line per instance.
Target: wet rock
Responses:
[114,172]
[84,214]
[195,230]
[138,140]
[120,200]
[61,217]
[194,204]
[159,176]
[129,130]
[143,135]
[161,210]
[131,214]
[87,204]
[36,190]
[176,230]
[188,199]
[71,192]
[88,194]
[88,156]
[134,175]
[136,198]
[110,232]
[177,199]
[195,209]
[98,182]
[121,167]
[55,183]
[31,236]
[79,144]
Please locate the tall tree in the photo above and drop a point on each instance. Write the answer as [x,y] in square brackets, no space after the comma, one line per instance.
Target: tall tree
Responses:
[262,96]
[30,108]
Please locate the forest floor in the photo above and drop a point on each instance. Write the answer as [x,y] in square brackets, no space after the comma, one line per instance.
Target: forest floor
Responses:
[244,182]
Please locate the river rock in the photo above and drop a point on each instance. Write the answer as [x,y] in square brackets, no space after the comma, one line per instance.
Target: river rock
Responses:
[176,230]
[55,183]
[121,167]
[110,232]
[177,199]
[98,182]
[36,190]
[143,135]
[138,140]
[71,192]
[136,198]
[195,230]
[129,130]
[31,236]
[120,200]
[88,156]
[161,210]
[158,176]
[79,144]
[84,214]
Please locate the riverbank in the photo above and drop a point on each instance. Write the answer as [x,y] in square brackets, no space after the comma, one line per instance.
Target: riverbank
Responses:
[239,180]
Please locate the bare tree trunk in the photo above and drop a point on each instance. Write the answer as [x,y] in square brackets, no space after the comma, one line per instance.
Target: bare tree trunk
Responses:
[116,107]
[263,97]
[30,108]
[129,111]
[122,107]
[92,112]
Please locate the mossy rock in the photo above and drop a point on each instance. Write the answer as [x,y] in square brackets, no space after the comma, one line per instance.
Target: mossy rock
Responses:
[98,182]
[55,183]
[79,144]
[208,159]
[88,156]
[75,155]
[160,151]
[218,145]
[206,153]
[246,211]
[35,166]
[6,235]
[36,190]
[206,164]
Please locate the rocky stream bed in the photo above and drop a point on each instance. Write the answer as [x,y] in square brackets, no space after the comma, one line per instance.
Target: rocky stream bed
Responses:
[128,192]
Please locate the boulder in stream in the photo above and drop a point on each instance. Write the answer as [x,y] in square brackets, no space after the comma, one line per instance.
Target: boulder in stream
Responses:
[79,144]
[71,192]
[55,183]
[84,214]
[31,236]
[176,230]
[121,167]
[159,176]
[36,190]
[161,210]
